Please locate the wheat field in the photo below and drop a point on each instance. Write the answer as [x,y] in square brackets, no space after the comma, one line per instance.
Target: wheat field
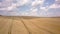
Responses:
[29,25]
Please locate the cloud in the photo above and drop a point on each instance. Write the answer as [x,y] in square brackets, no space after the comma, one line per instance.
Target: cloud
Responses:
[13,13]
[44,8]
[4,5]
[29,7]
[54,6]
[21,2]
[58,2]
[31,12]
[25,14]
[37,2]
[8,8]
[12,5]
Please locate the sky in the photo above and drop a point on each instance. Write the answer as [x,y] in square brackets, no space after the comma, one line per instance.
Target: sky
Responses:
[41,8]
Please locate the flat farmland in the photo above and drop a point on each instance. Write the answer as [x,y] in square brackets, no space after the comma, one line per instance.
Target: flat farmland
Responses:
[29,25]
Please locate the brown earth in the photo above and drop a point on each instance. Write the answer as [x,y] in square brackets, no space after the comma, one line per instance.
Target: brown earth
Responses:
[29,25]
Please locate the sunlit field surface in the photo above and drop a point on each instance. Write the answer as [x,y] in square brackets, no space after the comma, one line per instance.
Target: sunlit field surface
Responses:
[29,25]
